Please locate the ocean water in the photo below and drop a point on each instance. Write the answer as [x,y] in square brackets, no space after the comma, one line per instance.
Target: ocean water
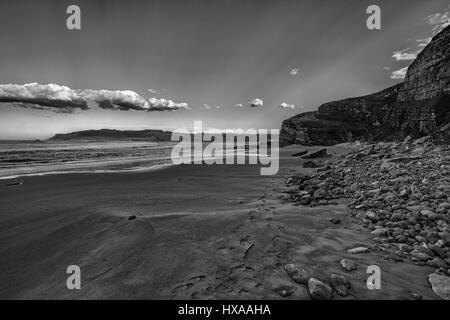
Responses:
[26,158]
[31,158]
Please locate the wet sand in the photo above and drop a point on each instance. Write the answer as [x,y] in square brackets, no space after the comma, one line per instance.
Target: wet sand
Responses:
[200,232]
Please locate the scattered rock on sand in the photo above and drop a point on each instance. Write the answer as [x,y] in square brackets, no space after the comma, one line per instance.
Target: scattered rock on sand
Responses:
[340,284]
[310,164]
[358,250]
[297,273]
[317,154]
[319,290]
[440,285]
[301,153]
[348,265]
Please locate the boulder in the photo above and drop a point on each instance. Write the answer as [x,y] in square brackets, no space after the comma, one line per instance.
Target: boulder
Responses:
[440,284]
[319,290]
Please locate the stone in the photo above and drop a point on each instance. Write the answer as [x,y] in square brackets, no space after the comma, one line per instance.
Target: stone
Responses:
[380,232]
[420,256]
[317,154]
[437,250]
[285,291]
[335,220]
[372,216]
[440,285]
[437,263]
[297,273]
[358,250]
[340,284]
[132,217]
[301,153]
[348,264]
[319,290]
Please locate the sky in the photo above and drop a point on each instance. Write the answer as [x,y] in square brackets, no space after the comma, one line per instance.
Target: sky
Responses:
[230,63]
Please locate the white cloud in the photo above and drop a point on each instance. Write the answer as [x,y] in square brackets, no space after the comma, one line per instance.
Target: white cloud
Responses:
[399,74]
[439,20]
[404,55]
[62,98]
[205,107]
[423,42]
[239,105]
[285,105]
[294,71]
[256,103]
[218,107]
[153,91]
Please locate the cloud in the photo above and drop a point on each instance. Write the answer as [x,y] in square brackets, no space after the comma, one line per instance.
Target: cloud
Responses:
[423,42]
[438,21]
[399,74]
[294,71]
[205,107]
[63,99]
[166,105]
[218,107]
[404,55]
[256,103]
[285,105]
[154,91]
[239,105]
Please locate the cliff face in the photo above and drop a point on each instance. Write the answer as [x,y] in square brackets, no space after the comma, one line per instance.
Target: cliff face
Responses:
[418,106]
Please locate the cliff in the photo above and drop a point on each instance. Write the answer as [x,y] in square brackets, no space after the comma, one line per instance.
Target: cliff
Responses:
[418,106]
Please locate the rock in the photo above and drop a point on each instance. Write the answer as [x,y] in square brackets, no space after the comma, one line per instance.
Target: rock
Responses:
[429,214]
[348,265]
[317,154]
[440,285]
[319,290]
[285,291]
[297,273]
[132,217]
[437,250]
[380,232]
[358,250]
[310,164]
[416,296]
[437,263]
[301,153]
[320,193]
[335,221]
[444,205]
[420,256]
[340,284]
[372,216]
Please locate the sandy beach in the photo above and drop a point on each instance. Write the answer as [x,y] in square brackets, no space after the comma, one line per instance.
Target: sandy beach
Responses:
[201,231]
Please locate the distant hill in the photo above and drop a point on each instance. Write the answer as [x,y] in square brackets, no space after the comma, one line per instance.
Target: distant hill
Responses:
[116,135]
